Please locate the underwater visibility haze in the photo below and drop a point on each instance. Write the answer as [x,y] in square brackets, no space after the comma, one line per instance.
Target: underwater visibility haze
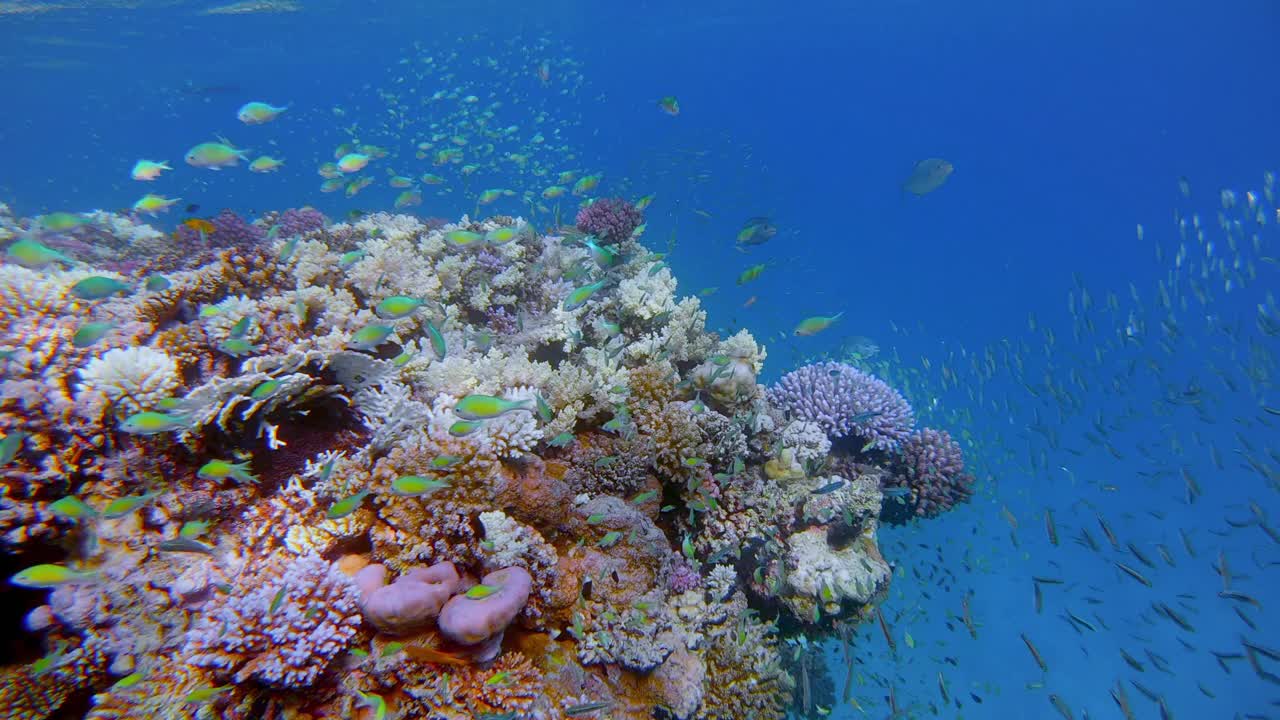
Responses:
[687,361]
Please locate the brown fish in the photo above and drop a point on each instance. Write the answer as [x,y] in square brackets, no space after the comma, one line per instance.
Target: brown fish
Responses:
[927,176]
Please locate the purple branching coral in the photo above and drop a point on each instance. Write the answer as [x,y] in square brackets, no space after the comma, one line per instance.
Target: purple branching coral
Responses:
[931,465]
[683,577]
[845,401]
[231,230]
[611,220]
[281,624]
[296,221]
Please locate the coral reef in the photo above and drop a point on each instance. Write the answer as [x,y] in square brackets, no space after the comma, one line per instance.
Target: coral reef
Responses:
[274,466]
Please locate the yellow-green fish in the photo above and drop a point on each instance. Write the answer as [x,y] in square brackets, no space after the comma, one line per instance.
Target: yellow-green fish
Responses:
[580,296]
[48,576]
[237,347]
[376,702]
[214,156]
[586,185]
[416,485]
[34,255]
[62,221]
[193,529]
[256,113]
[369,337]
[487,407]
[98,287]
[501,236]
[203,695]
[814,325]
[146,170]
[152,423]
[265,164]
[125,505]
[463,428]
[751,273]
[408,198]
[72,507]
[463,238]
[492,194]
[353,162]
[157,282]
[347,505]
[645,201]
[481,591]
[90,333]
[128,681]
[553,192]
[397,306]
[223,470]
[151,204]
[432,179]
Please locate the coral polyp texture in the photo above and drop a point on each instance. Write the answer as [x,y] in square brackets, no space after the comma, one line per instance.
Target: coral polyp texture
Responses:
[457,469]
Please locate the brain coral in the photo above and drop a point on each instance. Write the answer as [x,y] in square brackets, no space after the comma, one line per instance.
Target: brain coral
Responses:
[845,401]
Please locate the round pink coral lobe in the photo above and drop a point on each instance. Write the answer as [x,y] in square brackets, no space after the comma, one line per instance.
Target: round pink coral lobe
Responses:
[409,603]
[470,621]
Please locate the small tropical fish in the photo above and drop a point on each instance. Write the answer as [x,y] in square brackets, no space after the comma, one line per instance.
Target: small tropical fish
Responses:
[596,519]
[432,179]
[185,545]
[751,273]
[223,470]
[481,591]
[237,347]
[152,423]
[814,325]
[48,576]
[586,185]
[376,702]
[755,231]
[580,296]
[437,341]
[90,333]
[488,196]
[408,198]
[501,678]
[604,257]
[205,694]
[157,283]
[587,708]
[146,170]
[125,505]
[128,681]
[34,255]
[644,497]
[397,306]
[256,113]
[927,176]
[62,221]
[214,156]
[98,287]
[151,204]
[392,648]
[561,440]
[369,337]
[193,528]
[644,202]
[10,446]
[265,164]
[353,162]
[265,389]
[487,407]
[463,428]
[609,539]
[347,505]
[416,485]
[463,238]
[553,192]
[347,259]
[829,487]
[241,327]
[502,235]
[73,507]
[333,184]
[669,105]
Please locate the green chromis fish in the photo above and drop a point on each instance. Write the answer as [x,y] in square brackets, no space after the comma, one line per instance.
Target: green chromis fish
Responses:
[501,236]
[156,283]
[487,407]
[444,462]
[151,204]
[369,337]
[580,296]
[10,446]
[347,259]
[148,170]
[193,529]
[397,306]
[604,257]
[751,273]
[48,576]
[463,238]
[437,341]
[128,681]
[73,508]
[463,428]
[816,324]
[561,440]
[265,164]
[214,156]
[256,113]
[237,347]
[481,591]
[152,423]
[98,287]
[31,254]
[347,505]
[204,695]
[185,545]
[376,702]
[62,221]
[125,505]
[416,485]
[644,202]
[224,470]
[90,333]
[265,389]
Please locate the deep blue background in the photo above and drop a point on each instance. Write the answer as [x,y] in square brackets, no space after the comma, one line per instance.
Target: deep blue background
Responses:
[1068,123]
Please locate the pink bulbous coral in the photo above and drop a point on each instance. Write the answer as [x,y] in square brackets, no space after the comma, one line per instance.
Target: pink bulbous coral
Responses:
[479,621]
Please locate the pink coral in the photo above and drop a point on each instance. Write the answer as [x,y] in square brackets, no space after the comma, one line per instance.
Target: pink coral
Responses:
[931,465]
[611,220]
[481,621]
[410,602]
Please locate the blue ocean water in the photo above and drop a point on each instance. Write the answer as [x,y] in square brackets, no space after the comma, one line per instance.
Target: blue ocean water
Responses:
[1069,125]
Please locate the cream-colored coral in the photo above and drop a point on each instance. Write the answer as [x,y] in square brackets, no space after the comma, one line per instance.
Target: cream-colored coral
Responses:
[127,380]
[817,571]
[646,295]
[807,441]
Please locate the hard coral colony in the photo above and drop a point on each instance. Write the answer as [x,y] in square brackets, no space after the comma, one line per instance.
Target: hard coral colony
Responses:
[587,512]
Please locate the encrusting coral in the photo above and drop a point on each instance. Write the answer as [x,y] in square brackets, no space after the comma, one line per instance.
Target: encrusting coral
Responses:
[386,462]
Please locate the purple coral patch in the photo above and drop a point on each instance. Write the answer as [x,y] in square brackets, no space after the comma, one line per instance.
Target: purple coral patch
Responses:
[931,464]
[845,401]
[611,220]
